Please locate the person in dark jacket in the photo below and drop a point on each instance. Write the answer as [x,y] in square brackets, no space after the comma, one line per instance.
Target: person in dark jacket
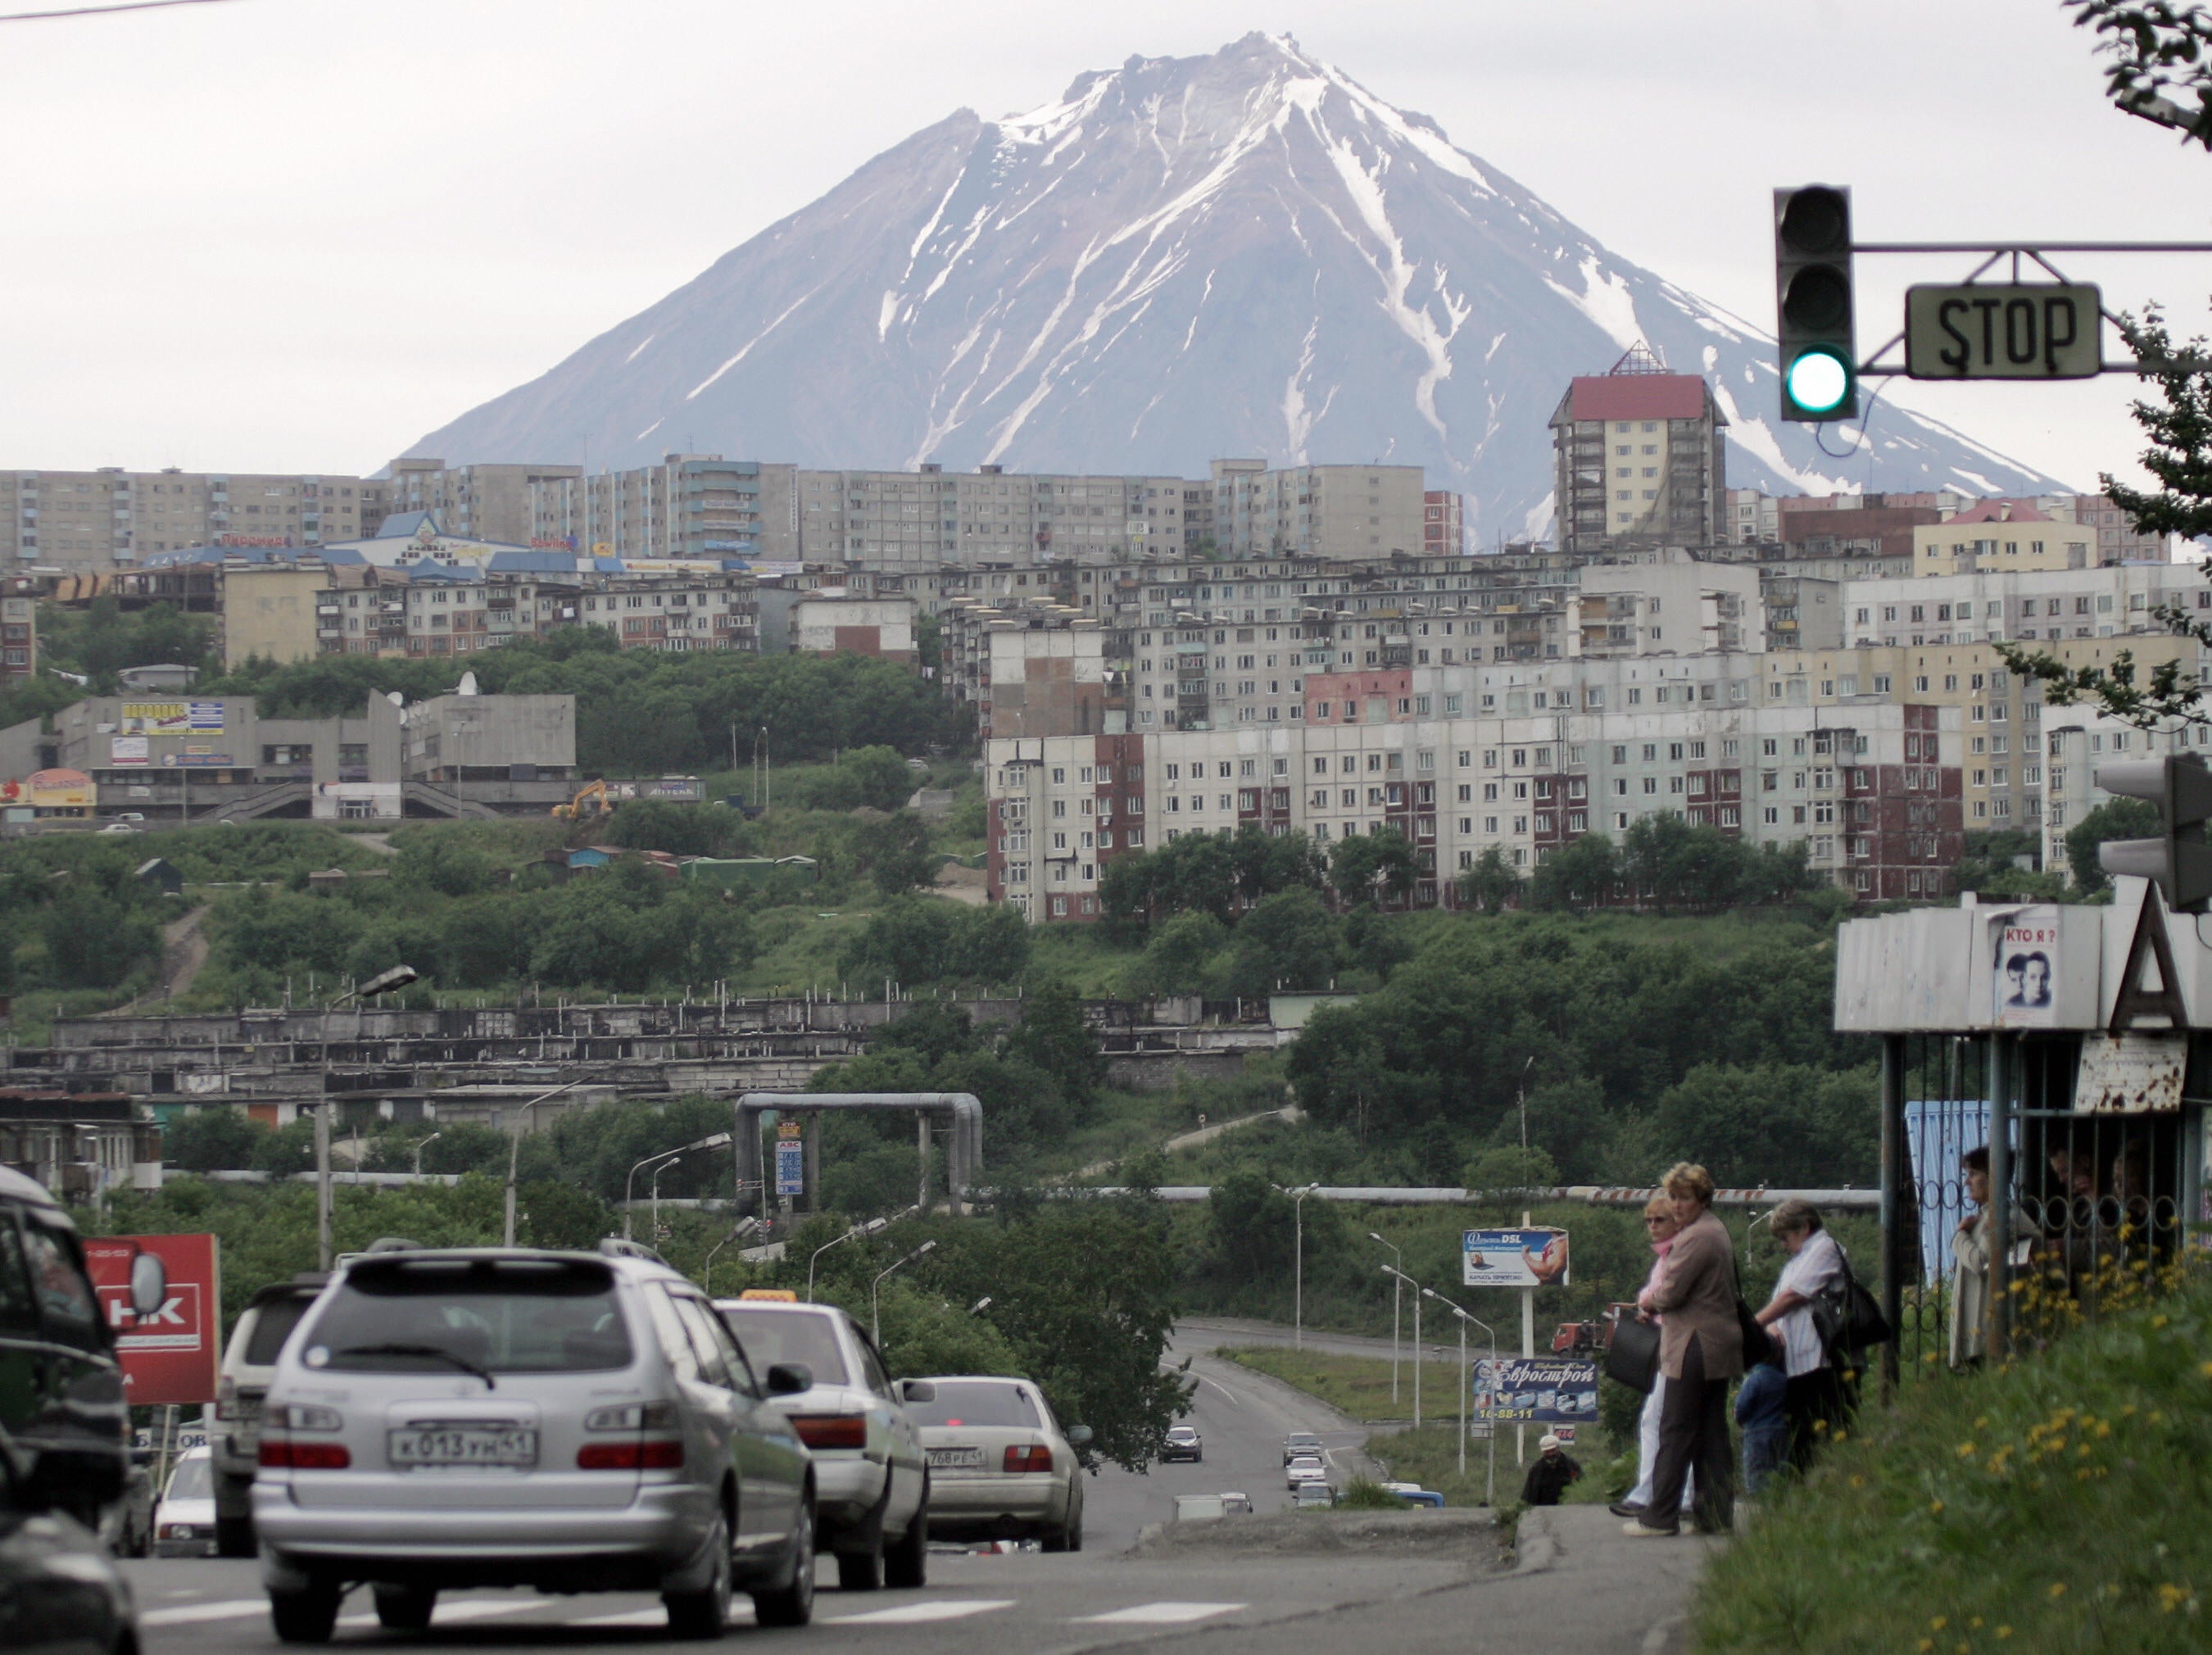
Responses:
[1549,1478]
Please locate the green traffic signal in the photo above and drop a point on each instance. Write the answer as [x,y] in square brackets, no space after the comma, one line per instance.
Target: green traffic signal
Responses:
[1819,382]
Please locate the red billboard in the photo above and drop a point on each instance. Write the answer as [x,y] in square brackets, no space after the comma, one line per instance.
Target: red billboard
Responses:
[176,1355]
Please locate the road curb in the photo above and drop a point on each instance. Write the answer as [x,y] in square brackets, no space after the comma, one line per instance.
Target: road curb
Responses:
[1536,1548]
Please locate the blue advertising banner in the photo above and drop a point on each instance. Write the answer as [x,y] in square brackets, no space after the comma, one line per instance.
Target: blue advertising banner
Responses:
[790,1166]
[1535,1390]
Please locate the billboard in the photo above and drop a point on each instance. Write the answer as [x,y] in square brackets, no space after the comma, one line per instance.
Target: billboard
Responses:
[790,1159]
[127,749]
[174,1354]
[1535,1390]
[1514,1258]
[172,718]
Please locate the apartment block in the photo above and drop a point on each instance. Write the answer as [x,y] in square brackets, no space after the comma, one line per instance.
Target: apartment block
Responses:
[1665,602]
[112,518]
[1037,669]
[2000,536]
[2076,741]
[1638,458]
[1443,524]
[1335,513]
[19,631]
[1060,809]
[2044,605]
[930,518]
[696,508]
[712,611]
[500,502]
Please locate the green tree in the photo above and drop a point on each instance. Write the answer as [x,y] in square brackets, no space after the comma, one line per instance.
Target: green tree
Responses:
[895,853]
[93,941]
[1775,1123]
[1580,874]
[1052,1035]
[1287,941]
[2116,818]
[1251,1223]
[445,864]
[1178,957]
[1491,882]
[212,1140]
[1369,866]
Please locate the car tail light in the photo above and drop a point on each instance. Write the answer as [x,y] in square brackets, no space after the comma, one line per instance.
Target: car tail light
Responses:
[832,1430]
[306,1455]
[652,1454]
[1034,1458]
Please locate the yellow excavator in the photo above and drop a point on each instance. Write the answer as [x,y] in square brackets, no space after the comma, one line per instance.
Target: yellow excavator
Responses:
[590,804]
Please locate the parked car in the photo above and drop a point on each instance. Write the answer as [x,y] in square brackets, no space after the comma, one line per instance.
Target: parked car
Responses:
[1300,1443]
[872,1482]
[61,1388]
[515,1417]
[1414,1495]
[61,1592]
[1237,1504]
[1199,1508]
[1000,1468]
[249,1361]
[1307,1468]
[184,1522]
[1312,1495]
[1182,1444]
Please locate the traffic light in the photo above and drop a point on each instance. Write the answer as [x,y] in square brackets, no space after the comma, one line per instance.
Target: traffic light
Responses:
[2180,860]
[1813,303]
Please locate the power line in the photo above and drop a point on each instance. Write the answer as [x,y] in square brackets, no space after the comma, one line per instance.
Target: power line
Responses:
[95,11]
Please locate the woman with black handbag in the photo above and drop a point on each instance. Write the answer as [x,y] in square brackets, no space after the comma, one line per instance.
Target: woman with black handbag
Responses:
[1813,1394]
[1659,1228]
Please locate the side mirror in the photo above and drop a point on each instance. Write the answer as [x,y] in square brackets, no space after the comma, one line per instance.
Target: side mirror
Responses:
[917,1391]
[149,1285]
[788,1379]
[1077,1435]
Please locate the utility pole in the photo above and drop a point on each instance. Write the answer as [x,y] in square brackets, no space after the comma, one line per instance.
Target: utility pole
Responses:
[383,982]
[1391,1269]
[1397,1289]
[1299,1268]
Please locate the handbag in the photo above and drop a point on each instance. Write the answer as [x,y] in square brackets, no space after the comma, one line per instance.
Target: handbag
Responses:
[1848,1317]
[1632,1357]
[1757,1338]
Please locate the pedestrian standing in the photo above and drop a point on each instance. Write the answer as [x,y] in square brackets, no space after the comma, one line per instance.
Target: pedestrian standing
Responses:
[1700,1350]
[1551,1474]
[1970,1261]
[1813,1392]
[1659,1228]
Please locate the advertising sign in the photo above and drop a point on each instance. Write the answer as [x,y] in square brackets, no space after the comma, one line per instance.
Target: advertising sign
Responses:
[2132,1073]
[173,1356]
[1535,1390]
[2027,970]
[172,718]
[1514,1258]
[790,1159]
[127,750]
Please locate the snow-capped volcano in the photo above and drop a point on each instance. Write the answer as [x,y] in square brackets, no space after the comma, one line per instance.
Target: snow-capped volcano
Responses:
[1243,254]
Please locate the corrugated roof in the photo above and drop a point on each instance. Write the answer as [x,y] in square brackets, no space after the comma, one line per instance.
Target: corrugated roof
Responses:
[1637,396]
[402,524]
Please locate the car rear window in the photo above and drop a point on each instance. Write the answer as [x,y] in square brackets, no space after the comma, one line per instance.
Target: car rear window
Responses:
[443,1316]
[972,1401]
[768,1337]
[273,1320]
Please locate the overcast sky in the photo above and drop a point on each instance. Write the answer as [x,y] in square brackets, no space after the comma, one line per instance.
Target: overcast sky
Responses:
[296,234]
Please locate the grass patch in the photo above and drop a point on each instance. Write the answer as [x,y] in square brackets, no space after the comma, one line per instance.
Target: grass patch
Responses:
[1358,1387]
[2058,1504]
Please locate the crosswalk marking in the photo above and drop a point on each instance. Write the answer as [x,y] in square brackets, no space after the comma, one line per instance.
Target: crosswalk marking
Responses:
[1160,1614]
[907,1615]
[185,1615]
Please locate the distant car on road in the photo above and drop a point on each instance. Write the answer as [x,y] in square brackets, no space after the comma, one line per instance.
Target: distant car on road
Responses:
[1236,1505]
[1199,1508]
[183,1521]
[1312,1495]
[1307,1468]
[249,1362]
[1182,1444]
[1000,1468]
[1300,1443]
[1413,1494]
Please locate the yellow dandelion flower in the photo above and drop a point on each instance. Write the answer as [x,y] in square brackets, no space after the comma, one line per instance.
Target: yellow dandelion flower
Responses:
[1935,1508]
[1974,1625]
[1939,1623]
[2160,1321]
[1857,1481]
[2058,1589]
[1982,1424]
[2004,1632]
[1926,1644]
[1965,1451]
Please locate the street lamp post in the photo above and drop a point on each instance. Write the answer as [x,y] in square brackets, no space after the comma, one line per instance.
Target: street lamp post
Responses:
[383,982]
[514,1151]
[875,1316]
[629,1179]
[833,1242]
[1298,1267]
[1464,1318]
[416,1150]
[1389,1269]
[744,1228]
[1397,1289]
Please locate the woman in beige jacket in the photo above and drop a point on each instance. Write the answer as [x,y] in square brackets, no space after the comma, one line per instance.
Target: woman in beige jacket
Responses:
[1700,1350]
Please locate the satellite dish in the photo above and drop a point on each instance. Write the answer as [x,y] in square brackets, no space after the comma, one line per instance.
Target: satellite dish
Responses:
[468,684]
[395,698]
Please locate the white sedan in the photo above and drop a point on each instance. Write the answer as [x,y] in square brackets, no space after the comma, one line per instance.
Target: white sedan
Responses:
[1000,1468]
[183,1521]
[1306,1467]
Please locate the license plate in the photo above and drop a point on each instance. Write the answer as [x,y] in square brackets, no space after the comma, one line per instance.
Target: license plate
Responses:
[439,1445]
[956,1457]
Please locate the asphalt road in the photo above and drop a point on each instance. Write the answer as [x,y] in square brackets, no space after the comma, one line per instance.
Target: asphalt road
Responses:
[1586,1590]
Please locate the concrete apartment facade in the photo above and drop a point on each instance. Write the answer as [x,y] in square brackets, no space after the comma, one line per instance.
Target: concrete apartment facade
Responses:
[1337,512]
[930,518]
[2043,606]
[1665,603]
[487,503]
[103,519]
[1443,524]
[1638,458]
[19,635]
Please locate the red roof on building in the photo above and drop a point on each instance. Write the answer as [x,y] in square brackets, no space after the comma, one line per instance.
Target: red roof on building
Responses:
[2002,511]
[1637,396]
